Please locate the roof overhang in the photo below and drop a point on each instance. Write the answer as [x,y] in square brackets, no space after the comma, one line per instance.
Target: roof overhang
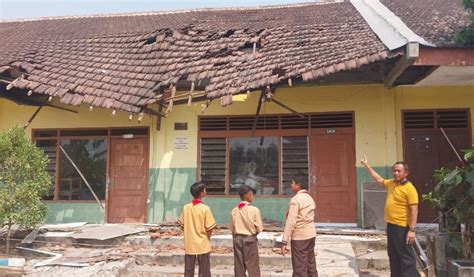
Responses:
[434,67]
[451,66]
[449,76]
[445,57]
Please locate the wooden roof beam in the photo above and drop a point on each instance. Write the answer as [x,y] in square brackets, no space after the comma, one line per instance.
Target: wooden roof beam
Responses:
[445,57]
[411,53]
[257,113]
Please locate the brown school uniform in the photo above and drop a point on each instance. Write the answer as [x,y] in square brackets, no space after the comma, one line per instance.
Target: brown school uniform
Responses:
[245,225]
[196,220]
[300,228]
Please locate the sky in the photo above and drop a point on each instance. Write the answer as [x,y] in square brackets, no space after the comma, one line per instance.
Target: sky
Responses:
[23,9]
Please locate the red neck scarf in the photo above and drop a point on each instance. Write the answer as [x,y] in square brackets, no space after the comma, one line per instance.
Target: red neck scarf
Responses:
[196,201]
[288,211]
[243,204]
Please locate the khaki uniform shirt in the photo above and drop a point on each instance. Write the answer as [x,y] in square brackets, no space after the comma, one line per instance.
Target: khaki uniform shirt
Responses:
[196,221]
[300,222]
[246,221]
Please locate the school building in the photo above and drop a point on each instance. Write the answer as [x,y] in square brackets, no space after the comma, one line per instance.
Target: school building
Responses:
[146,104]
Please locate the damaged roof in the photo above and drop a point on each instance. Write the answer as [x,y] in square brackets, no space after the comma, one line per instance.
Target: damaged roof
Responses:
[125,62]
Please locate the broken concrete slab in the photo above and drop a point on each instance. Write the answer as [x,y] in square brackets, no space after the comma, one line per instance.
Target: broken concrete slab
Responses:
[336,257]
[31,237]
[53,260]
[115,268]
[349,231]
[57,235]
[374,260]
[64,227]
[177,259]
[265,239]
[106,232]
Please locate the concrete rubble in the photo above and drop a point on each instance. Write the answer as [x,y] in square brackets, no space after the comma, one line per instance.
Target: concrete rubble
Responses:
[158,250]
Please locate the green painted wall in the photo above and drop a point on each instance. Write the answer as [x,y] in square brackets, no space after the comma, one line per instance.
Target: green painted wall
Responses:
[169,192]
[74,212]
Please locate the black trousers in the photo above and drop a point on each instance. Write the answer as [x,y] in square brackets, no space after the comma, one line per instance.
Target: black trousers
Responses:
[401,256]
[303,258]
[246,256]
[203,261]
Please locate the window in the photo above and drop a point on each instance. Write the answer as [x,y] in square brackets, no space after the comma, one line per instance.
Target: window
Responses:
[49,148]
[213,161]
[88,149]
[263,153]
[230,163]
[253,162]
[294,160]
[90,156]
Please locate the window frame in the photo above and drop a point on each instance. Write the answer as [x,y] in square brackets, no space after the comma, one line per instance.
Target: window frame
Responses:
[275,132]
[248,133]
[58,138]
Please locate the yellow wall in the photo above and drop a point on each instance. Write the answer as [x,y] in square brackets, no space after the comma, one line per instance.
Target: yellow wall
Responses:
[172,171]
[377,114]
[373,106]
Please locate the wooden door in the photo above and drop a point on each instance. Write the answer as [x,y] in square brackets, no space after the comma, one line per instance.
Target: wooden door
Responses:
[127,194]
[333,171]
[421,154]
[427,151]
[425,148]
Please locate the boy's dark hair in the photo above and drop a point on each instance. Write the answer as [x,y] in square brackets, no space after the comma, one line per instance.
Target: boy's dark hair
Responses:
[405,165]
[243,190]
[301,179]
[197,188]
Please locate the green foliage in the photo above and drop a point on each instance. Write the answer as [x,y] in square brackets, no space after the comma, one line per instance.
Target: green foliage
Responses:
[23,180]
[465,36]
[468,4]
[454,197]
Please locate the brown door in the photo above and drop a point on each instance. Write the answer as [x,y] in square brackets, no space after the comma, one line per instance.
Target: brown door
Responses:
[127,195]
[426,149]
[333,172]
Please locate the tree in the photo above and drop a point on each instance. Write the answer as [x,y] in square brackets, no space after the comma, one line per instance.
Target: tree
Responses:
[23,181]
[465,36]
[454,197]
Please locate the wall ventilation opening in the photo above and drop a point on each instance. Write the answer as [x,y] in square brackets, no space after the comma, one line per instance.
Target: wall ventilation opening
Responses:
[434,119]
[277,122]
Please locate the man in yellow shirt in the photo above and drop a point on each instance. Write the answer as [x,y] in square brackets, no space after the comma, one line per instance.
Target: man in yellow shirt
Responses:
[197,222]
[401,212]
[246,223]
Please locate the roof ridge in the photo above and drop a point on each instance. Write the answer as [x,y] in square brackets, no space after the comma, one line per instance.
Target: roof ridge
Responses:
[263,7]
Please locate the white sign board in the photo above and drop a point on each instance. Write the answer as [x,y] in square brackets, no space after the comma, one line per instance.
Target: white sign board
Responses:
[181,143]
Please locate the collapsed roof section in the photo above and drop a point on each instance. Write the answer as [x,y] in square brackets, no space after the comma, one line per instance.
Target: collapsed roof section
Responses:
[127,62]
